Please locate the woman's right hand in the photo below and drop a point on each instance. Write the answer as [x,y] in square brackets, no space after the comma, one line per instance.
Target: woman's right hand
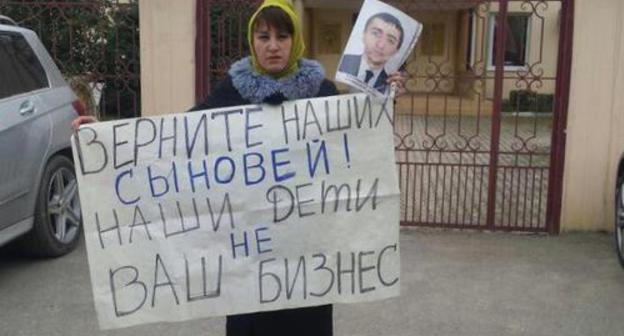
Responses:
[81,121]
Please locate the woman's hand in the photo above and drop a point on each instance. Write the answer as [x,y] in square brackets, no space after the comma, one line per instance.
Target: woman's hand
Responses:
[81,121]
[398,79]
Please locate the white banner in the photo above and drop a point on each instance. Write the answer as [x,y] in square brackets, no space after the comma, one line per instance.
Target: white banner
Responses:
[240,209]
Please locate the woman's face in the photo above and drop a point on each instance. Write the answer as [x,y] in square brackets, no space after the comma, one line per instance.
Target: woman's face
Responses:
[272,48]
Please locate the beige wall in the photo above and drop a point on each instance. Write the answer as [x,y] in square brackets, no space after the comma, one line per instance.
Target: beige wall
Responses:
[595,128]
[320,17]
[418,63]
[167,56]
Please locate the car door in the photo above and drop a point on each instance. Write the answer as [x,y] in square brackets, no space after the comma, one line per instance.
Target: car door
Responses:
[24,127]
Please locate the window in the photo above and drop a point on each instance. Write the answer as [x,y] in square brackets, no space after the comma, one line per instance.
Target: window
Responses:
[20,69]
[516,44]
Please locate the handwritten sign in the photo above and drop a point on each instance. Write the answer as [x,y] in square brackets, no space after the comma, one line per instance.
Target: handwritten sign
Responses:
[241,209]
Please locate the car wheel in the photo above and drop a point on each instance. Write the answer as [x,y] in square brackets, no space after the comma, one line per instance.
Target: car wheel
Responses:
[58,221]
[619,217]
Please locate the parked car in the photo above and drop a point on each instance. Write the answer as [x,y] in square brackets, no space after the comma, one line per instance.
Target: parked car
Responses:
[39,204]
[619,211]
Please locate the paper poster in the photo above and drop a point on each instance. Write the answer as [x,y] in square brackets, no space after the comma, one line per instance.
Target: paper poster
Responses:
[381,41]
[240,209]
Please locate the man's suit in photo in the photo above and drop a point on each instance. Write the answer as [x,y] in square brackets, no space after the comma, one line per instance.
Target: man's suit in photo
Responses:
[351,65]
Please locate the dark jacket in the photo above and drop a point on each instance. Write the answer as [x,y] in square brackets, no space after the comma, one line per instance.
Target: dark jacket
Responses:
[245,86]
[351,64]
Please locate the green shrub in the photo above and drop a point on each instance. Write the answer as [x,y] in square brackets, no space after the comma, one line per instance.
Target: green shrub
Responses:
[506,106]
[545,103]
[527,101]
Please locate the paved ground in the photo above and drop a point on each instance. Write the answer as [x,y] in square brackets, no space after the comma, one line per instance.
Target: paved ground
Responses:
[453,283]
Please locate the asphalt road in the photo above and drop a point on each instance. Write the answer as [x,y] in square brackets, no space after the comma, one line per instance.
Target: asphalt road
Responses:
[53,297]
[453,283]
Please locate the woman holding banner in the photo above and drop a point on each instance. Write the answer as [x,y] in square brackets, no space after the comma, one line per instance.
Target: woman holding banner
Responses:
[275,72]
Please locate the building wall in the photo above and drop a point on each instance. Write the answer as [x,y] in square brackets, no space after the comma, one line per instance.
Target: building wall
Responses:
[595,130]
[167,56]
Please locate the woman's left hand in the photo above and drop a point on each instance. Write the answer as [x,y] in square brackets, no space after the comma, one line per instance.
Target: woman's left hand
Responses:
[398,79]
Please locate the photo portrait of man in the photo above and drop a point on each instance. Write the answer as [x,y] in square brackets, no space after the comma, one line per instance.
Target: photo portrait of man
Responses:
[383,37]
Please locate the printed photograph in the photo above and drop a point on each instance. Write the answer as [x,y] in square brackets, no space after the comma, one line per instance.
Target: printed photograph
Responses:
[380,42]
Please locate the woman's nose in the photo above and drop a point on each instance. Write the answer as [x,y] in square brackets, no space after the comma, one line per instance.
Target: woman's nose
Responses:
[273,45]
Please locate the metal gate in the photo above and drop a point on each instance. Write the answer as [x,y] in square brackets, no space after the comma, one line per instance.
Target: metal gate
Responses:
[221,39]
[480,141]
[95,43]
[479,137]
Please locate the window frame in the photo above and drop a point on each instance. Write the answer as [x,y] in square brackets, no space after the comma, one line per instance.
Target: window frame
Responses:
[473,39]
[491,66]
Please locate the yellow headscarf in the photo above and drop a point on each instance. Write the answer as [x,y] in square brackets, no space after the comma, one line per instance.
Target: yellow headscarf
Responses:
[298,46]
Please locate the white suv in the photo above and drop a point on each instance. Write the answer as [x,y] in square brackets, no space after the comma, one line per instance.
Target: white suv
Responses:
[39,203]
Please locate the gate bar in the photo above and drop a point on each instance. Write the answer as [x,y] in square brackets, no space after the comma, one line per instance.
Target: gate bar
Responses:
[202,49]
[562,96]
[501,31]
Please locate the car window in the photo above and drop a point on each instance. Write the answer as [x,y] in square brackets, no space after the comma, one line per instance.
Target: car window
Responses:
[20,69]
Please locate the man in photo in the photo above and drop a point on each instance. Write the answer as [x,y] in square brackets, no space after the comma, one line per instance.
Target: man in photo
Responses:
[383,37]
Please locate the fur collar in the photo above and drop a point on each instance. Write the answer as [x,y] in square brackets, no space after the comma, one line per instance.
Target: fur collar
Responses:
[255,87]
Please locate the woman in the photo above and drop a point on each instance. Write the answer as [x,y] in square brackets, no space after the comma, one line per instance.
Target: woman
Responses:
[275,72]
